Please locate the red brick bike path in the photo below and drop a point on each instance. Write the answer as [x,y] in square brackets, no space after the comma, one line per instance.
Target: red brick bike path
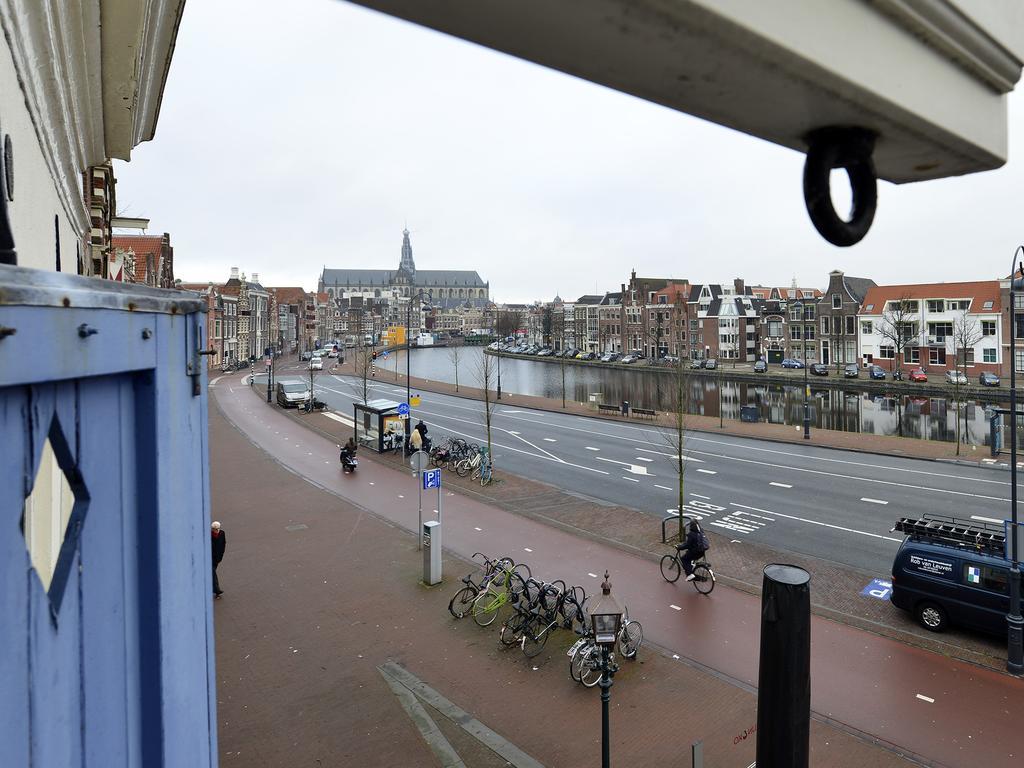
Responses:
[863,681]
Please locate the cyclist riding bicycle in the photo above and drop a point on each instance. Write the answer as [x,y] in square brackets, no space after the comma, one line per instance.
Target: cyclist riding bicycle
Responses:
[692,548]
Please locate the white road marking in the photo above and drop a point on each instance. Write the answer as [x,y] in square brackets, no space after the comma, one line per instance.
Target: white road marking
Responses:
[338,417]
[592,448]
[675,655]
[401,496]
[214,381]
[672,456]
[527,549]
[675,607]
[643,458]
[735,541]
[550,440]
[631,479]
[700,496]
[874,501]
[663,487]
[511,432]
[477,529]
[708,471]
[987,519]
[372,483]
[511,412]
[592,575]
[817,522]
[929,699]
[781,485]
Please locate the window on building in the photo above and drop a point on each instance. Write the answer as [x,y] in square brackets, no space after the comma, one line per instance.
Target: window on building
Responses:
[1018,360]
[837,301]
[837,325]
[809,331]
[795,313]
[913,355]
[824,326]
[988,355]
[794,332]
[663,299]
[935,305]
[937,356]
[866,327]
[851,324]
[903,305]
[966,356]
[775,328]
[986,577]
[808,311]
[869,308]
[887,352]
[940,330]
[960,305]
[987,305]
[988,327]
[693,325]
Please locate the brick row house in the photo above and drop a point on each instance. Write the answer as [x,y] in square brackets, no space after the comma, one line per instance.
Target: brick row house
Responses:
[934,326]
[837,316]
[785,332]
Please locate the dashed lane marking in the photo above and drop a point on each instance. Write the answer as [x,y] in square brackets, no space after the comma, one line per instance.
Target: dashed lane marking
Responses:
[550,440]
[781,485]
[663,487]
[708,471]
[401,496]
[592,575]
[700,496]
[929,699]
[631,479]
[527,549]
[874,501]
[592,448]
[675,607]
[372,483]
[643,458]
[475,528]
[675,655]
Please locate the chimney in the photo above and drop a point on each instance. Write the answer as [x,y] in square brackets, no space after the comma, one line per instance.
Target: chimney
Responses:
[738,285]
[255,277]
[234,273]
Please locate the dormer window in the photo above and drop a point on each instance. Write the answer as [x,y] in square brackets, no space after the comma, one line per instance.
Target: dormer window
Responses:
[837,301]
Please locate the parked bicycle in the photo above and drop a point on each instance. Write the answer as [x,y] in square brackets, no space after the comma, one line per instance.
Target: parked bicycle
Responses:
[462,601]
[506,586]
[585,654]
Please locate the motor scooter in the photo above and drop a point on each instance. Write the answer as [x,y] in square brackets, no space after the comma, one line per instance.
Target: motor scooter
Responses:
[349,462]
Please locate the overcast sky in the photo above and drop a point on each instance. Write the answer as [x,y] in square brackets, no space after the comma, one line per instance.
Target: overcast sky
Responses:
[292,140]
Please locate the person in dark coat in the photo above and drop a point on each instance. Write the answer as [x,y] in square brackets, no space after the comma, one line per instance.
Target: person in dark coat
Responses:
[422,429]
[218,545]
[691,549]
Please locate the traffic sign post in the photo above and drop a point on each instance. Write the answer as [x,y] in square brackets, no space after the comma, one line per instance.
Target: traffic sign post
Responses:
[419,473]
[403,409]
[432,479]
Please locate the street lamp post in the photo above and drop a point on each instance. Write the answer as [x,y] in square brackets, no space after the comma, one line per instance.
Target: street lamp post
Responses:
[270,371]
[408,354]
[799,306]
[497,330]
[606,618]
[1014,621]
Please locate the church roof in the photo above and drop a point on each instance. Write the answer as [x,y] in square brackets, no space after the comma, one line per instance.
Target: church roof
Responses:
[383,277]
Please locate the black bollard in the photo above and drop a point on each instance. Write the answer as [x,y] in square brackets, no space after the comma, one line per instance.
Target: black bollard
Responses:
[784,677]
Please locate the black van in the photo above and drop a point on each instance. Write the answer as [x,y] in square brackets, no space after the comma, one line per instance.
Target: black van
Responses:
[952,571]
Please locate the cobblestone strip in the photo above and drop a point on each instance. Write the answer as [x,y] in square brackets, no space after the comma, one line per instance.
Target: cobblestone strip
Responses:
[498,744]
[428,729]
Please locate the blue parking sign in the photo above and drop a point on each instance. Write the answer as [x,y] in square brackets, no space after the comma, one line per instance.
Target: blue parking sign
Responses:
[880,589]
[431,479]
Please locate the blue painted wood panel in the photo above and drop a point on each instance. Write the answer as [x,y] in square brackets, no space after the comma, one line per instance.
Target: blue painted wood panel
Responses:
[122,672]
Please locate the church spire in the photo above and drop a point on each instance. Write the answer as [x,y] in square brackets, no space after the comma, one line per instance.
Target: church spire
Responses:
[407,263]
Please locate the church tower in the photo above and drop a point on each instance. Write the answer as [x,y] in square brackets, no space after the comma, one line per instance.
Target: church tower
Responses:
[407,264]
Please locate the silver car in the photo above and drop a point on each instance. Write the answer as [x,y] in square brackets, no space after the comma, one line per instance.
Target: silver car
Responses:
[291,393]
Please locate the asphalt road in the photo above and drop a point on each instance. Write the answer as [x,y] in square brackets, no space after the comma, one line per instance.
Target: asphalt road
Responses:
[836,505]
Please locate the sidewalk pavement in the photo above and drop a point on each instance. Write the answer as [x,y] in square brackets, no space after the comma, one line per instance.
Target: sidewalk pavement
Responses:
[320,593]
[837,588]
[848,441]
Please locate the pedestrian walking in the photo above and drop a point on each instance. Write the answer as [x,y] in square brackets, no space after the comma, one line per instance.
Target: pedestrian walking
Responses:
[218,545]
[415,441]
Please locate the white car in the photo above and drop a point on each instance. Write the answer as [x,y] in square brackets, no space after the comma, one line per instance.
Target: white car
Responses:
[316,364]
[956,377]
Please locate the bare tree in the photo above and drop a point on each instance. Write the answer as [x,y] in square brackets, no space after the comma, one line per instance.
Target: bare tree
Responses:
[508,322]
[454,352]
[898,327]
[966,333]
[486,377]
[679,404]
[546,325]
[363,366]
[558,332]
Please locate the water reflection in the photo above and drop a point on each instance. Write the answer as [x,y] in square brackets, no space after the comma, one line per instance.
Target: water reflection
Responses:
[930,418]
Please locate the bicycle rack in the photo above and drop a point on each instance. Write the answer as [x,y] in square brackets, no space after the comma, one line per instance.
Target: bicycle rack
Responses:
[673,516]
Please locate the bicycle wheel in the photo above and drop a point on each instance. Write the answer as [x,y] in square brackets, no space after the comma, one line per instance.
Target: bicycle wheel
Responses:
[532,643]
[630,637]
[523,570]
[511,631]
[485,608]
[475,475]
[590,666]
[462,603]
[462,468]
[670,568]
[704,579]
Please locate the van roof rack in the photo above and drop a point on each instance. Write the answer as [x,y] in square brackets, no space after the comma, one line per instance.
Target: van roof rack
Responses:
[989,538]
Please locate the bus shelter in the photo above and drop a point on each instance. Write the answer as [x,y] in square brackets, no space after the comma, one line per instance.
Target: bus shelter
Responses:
[374,421]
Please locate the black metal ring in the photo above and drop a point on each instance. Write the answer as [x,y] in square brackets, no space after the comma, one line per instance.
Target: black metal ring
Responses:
[848,148]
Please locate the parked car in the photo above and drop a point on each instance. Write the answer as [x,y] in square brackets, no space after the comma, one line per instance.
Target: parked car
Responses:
[876,372]
[918,375]
[611,357]
[306,355]
[670,359]
[710,364]
[695,364]
[628,359]
[588,356]
[851,371]
[988,379]
[291,393]
[790,363]
[760,367]
[316,364]
[819,369]
[956,377]
[546,352]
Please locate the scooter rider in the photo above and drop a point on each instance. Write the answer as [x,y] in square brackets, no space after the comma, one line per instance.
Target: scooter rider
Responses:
[348,451]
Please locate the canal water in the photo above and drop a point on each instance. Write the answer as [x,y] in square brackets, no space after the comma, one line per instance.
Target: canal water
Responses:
[848,410]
